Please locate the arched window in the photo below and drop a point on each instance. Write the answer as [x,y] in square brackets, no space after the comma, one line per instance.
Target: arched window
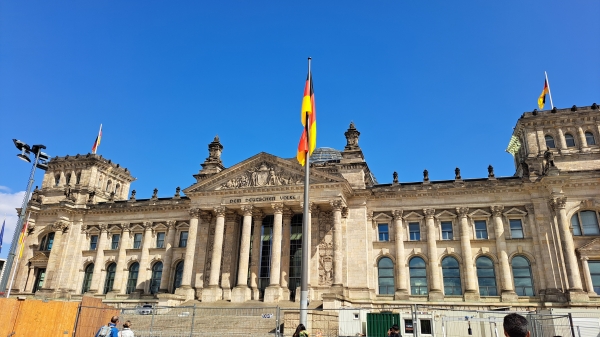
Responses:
[569,140]
[589,138]
[134,269]
[57,179]
[585,223]
[522,276]
[178,276]
[451,273]
[47,242]
[156,275]
[385,269]
[117,189]
[78,178]
[68,178]
[550,142]
[108,184]
[418,276]
[486,277]
[87,278]
[595,274]
[110,277]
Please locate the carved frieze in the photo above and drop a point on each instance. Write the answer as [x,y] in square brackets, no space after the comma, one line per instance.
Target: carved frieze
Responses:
[325,248]
[264,174]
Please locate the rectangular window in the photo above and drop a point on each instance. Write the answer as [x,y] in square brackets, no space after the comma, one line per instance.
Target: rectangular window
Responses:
[414,231]
[594,267]
[576,226]
[384,234]
[160,240]
[516,229]
[137,240]
[93,242]
[480,229]
[114,244]
[447,230]
[408,326]
[425,326]
[183,239]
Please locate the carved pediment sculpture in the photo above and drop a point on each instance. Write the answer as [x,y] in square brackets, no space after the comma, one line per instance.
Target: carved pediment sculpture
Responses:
[592,247]
[39,257]
[264,174]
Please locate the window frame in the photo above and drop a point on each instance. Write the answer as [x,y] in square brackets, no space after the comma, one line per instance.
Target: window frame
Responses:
[88,274]
[595,287]
[551,139]
[160,243]
[522,229]
[94,243]
[411,277]
[138,244]
[131,284]
[115,245]
[485,221]
[155,277]
[493,268]
[410,233]
[178,275]
[109,278]
[47,242]
[444,277]
[578,228]
[385,277]
[512,268]
[442,236]
[592,136]
[383,234]
[184,240]
[569,136]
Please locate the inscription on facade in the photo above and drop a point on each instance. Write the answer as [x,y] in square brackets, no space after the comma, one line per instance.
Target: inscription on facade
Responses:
[263,198]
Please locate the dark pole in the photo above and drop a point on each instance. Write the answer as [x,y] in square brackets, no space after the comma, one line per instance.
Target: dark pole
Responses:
[305,224]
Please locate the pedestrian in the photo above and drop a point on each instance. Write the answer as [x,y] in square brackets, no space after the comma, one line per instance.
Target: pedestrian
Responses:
[110,329]
[300,331]
[515,325]
[126,332]
[395,331]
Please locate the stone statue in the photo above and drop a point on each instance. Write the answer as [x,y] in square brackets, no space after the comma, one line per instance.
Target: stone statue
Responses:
[549,156]
[457,174]
[36,196]
[155,194]
[132,195]
[351,137]
[91,197]
[177,192]
[395,175]
[525,168]
[111,198]
[425,175]
[68,192]
[491,172]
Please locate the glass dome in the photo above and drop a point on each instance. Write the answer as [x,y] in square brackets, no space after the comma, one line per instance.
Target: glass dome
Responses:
[325,154]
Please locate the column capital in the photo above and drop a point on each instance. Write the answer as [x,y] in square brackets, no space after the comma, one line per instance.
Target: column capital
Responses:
[60,226]
[337,205]
[147,225]
[288,213]
[397,214]
[429,213]
[247,210]
[277,207]
[462,211]
[194,212]
[125,226]
[497,210]
[558,203]
[311,206]
[345,212]
[529,208]
[103,227]
[584,258]
[171,224]
[369,215]
[257,214]
[220,211]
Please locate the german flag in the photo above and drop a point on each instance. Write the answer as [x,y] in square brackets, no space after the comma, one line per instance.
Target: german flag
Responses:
[97,142]
[542,98]
[22,238]
[308,140]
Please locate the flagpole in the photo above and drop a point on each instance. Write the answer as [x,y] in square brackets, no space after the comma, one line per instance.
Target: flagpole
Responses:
[12,279]
[549,92]
[305,223]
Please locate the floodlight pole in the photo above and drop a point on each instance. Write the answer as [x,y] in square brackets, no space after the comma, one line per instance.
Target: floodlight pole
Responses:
[15,240]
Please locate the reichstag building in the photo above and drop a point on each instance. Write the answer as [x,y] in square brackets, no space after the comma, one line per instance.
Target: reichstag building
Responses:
[529,240]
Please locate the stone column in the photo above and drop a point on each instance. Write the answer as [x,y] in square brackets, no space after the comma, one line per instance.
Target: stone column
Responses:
[471,293]
[285,252]
[401,280]
[273,291]
[143,281]
[30,280]
[561,140]
[582,141]
[507,289]
[257,217]
[96,286]
[588,276]
[574,277]
[337,206]
[214,292]
[168,257]
[536,247]
[242,293]
[56,259]
[435,292]
[121,260]
[188,266]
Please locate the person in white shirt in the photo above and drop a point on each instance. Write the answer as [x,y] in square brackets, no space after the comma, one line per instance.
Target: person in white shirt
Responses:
[126,332]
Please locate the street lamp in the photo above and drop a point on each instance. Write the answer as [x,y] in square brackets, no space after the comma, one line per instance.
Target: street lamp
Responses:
[41,162]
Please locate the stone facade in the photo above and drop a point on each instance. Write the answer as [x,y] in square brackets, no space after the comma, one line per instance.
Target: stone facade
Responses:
[531,239]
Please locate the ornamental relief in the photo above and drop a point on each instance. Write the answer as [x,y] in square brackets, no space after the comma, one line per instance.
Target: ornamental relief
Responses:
[325,248]
[263,174]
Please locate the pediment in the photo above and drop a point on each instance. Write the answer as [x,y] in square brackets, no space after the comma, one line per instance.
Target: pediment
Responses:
[39,257]
[515,211]
[445,214]
[382,217]
[593,245]
[261,171]
[413,216]
[480,213]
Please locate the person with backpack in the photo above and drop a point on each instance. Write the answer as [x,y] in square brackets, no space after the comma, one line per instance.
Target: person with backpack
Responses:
[110,329]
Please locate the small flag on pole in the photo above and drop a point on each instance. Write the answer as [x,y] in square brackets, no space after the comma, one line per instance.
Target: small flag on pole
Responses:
[22,238]
[308,142]
[2,235]
[542,98]
[514,145]
[97,142]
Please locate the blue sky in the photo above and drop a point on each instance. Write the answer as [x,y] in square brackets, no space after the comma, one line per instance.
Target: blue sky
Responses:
[433,85]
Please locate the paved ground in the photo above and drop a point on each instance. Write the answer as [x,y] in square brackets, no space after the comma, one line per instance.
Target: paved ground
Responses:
[252,304]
